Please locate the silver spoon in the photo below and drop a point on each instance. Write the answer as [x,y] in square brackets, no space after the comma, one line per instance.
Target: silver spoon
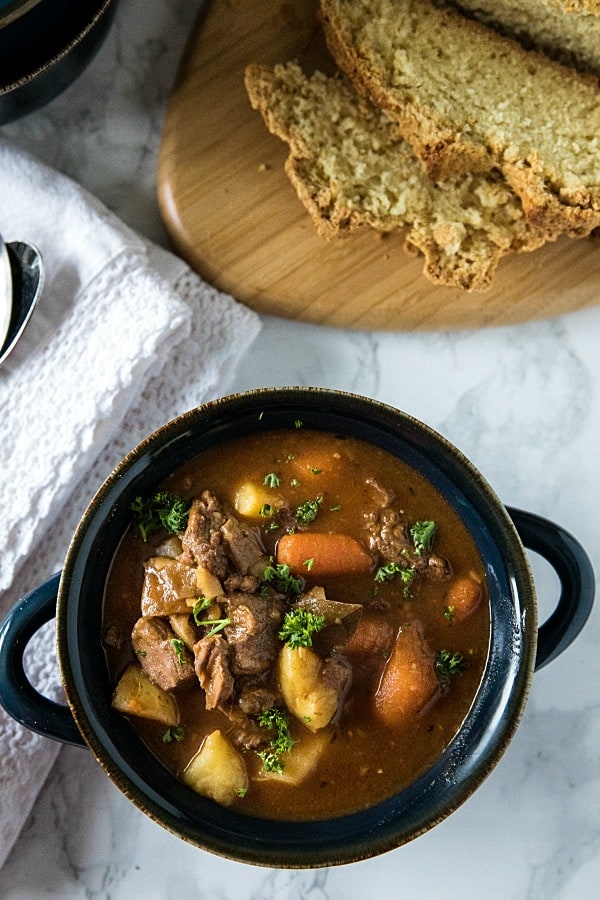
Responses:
[21,281]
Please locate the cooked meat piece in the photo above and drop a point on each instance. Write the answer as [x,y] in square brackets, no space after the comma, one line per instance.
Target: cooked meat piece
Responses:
[337,675]
[253,632]
[163,657]
[256,697]
[212,661]
[438,567]
[389,536]
[202,540]
[246,732]
[247,584]
[244,545]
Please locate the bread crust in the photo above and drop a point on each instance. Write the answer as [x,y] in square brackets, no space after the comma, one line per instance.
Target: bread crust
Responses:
[449,145]
[462,228]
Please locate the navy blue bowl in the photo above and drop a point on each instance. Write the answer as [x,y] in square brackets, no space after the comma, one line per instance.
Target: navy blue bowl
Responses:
[517,648]
[44,46]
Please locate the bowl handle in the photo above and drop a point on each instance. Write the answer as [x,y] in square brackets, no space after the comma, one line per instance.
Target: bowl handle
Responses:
[576,575]
[17,695]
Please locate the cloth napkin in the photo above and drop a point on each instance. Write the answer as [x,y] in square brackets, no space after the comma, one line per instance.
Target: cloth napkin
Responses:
[125,336]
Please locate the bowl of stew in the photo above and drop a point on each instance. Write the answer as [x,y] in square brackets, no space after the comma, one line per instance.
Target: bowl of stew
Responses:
[286,592]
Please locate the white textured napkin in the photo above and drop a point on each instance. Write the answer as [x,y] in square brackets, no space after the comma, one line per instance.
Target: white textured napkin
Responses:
[125,337]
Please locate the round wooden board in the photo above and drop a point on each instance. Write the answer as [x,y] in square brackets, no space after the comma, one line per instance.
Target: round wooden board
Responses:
[231,212]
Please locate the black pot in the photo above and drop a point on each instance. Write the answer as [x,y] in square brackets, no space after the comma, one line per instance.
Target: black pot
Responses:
[517,645]
[44,46]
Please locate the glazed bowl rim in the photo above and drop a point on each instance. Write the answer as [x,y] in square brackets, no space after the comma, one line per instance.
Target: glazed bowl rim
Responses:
[349,838]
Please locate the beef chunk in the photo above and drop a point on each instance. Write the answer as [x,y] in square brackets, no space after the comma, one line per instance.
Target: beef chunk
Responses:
[212,657]
[247,584]
[202,541]
[337,674]
[167,664]
[253,632]
[246,732]
[388,535]
[256,697]
[244,545]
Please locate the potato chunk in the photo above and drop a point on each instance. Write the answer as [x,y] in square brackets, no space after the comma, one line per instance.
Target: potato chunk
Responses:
[253,500]
[217,770]
[136,695]
[300,761]
[168,583]
[310,686]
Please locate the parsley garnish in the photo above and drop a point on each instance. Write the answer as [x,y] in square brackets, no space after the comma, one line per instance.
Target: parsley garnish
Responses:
[163,510]
[200,605]
[266,511]
[281,576]
[307,511]
[449,613]
[173,734]
[272,480]
[298,627]
[422,534]
[179,648]
[391,570]
[448,664]
[298,423]
[275,720]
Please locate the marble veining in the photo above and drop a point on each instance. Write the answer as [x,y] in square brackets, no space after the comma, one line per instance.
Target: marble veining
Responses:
[523,403]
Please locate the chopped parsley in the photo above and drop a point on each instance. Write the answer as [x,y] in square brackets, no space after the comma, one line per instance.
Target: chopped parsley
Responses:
[316,471]
[179,648]
[283,580]
[217,625]
[449,613]
[266,511]
[163,510]
[386,573]
[298,627]
[173,734]
[201,604]
[448,664]
[309,563]
[282,742]
[272,480]
[422,534]
[307,511]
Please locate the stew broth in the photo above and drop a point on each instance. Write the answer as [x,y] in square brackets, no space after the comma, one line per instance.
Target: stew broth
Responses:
[372,747]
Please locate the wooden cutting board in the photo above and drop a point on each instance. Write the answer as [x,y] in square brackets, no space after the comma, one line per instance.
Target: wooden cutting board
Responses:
[231,212]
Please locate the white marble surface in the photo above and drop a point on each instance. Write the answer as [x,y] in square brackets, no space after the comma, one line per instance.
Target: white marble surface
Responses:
[523,403]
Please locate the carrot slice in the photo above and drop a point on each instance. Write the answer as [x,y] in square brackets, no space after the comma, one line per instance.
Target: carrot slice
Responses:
[463,596]
[409,680]
[321,553]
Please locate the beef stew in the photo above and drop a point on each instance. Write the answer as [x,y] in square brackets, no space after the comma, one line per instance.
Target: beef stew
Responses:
[309,613]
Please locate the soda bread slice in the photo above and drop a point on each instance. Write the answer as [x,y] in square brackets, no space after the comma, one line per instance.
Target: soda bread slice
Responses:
[571,37]
[350,168]
[469,99]
[592,7]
